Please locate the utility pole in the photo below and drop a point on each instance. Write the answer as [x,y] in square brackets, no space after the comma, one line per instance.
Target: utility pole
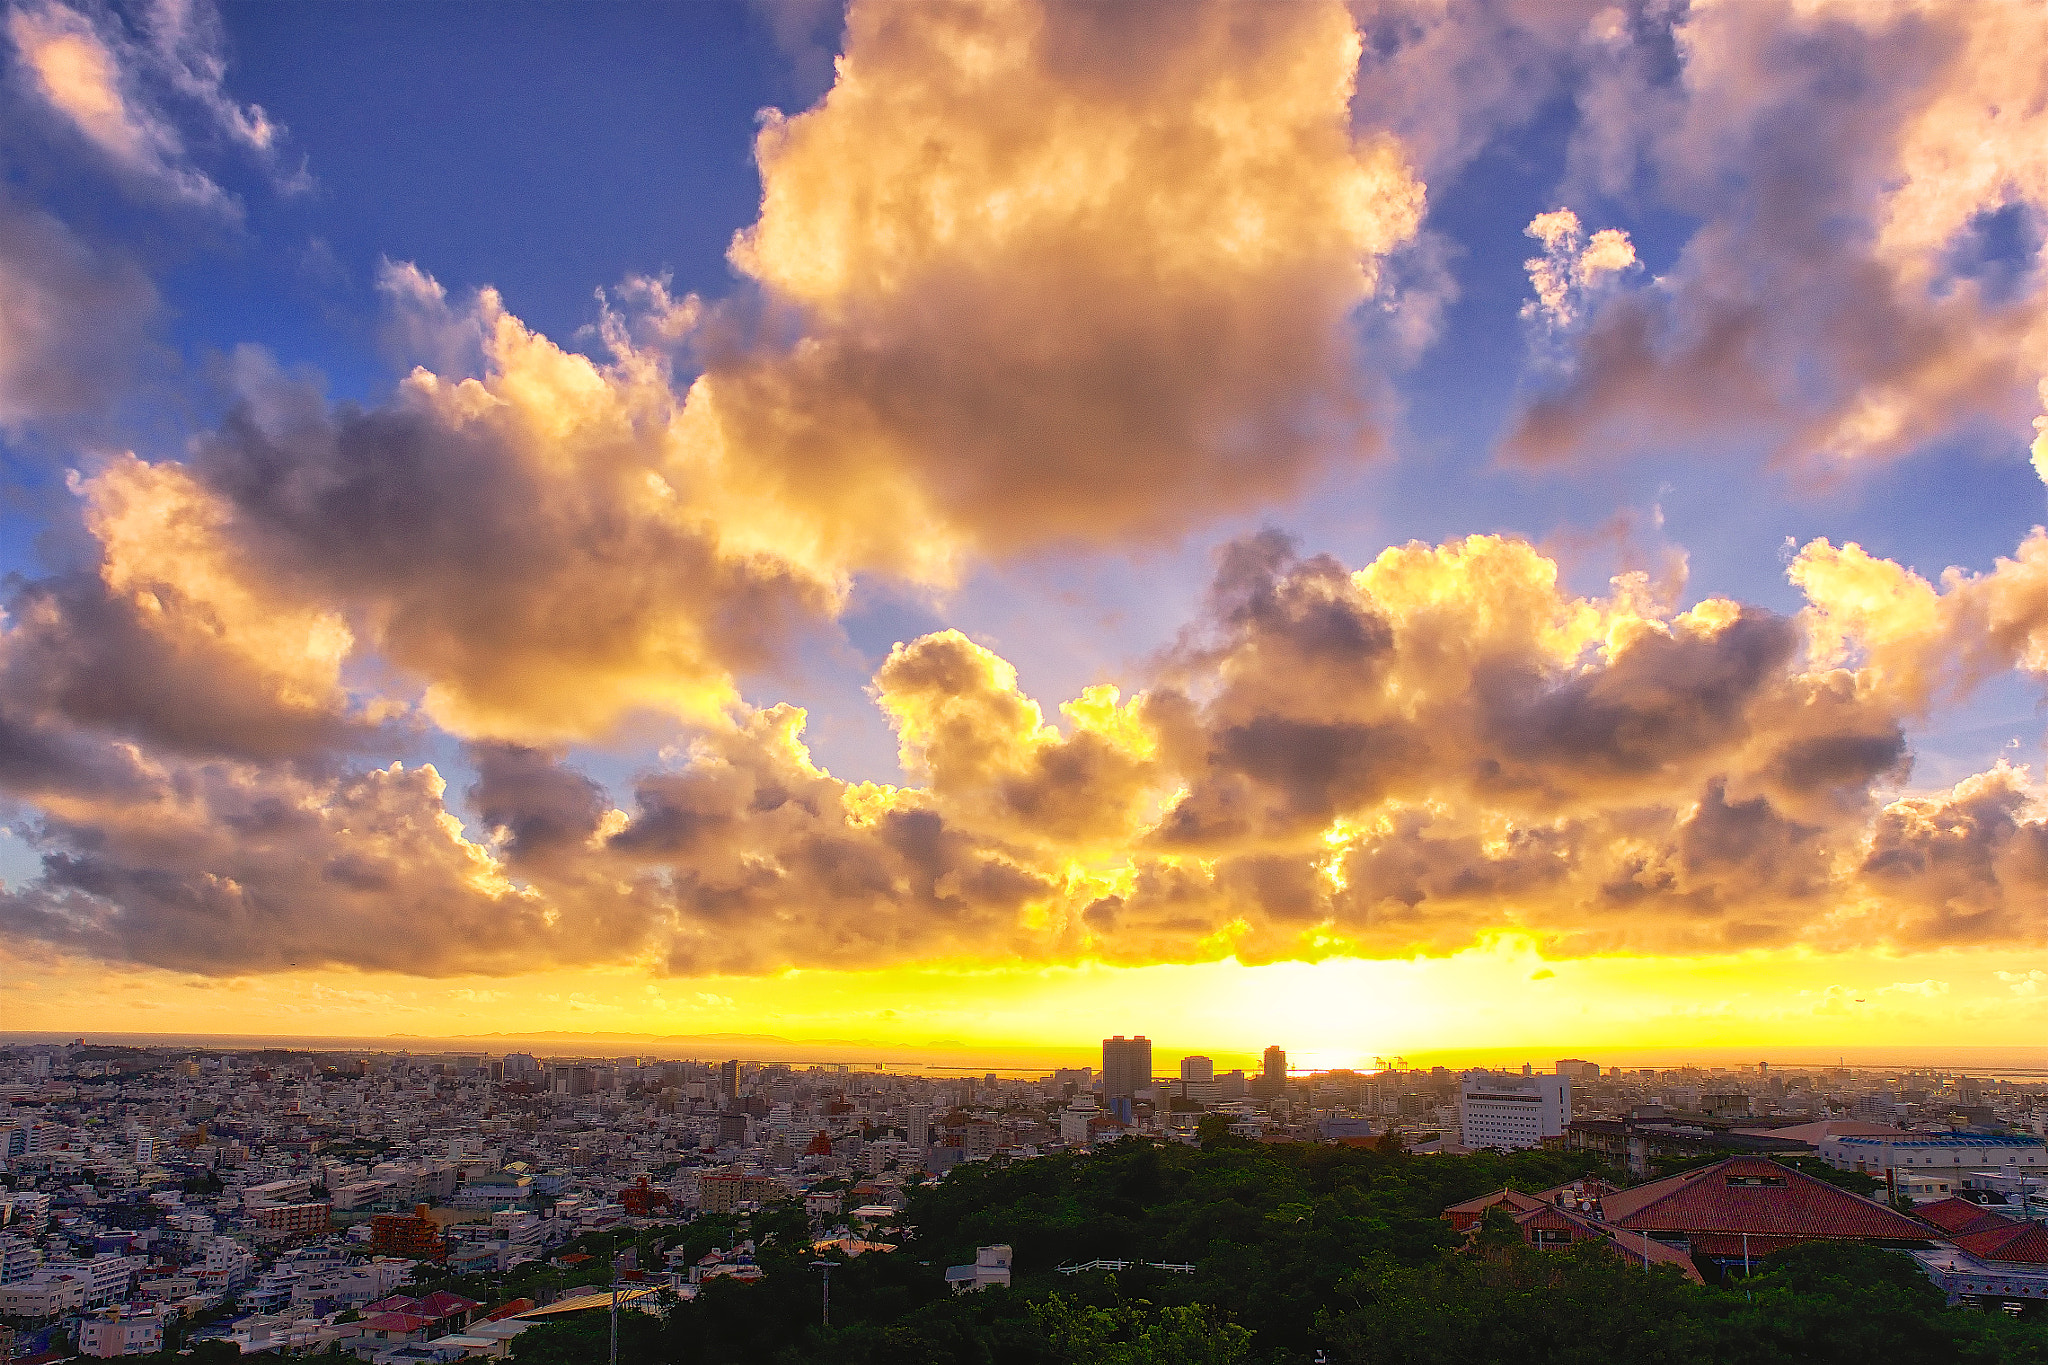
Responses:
[826,1311]
[615,1300]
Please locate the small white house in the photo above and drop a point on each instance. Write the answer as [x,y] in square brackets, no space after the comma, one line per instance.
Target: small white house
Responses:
[991,1270]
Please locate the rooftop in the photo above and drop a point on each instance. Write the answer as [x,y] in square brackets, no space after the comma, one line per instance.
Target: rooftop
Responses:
[1757,1196]
[1940,1140]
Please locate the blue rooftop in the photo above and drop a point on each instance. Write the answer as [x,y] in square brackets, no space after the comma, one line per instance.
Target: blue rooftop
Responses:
[1945,1140]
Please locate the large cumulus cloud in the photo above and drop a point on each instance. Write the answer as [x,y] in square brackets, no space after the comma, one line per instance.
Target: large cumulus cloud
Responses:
[1065,272]
[1032,275]
[1411,756]
[1009,291]
[1867,274]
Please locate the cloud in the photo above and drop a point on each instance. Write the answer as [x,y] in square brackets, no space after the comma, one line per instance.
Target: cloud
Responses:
[1448,76]
[115,86]
[1572,269]
[536,548]
[1007,294]
[1927,644]
[1966,866]
[1437,748]
[218,868]
[1040,293]
[72,319]
[1848,293]
[1123,304]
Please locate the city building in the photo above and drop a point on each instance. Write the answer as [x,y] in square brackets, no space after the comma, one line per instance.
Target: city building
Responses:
[413,1234]
[991,1270]
[1745,1207]
[917,1125]
[1126,1066]
[1947,1153]
[294,1220]
[1513,1112]
[113,1334]
[1990,1259]
[1076,1118]
[1198,1080]
[725,1193]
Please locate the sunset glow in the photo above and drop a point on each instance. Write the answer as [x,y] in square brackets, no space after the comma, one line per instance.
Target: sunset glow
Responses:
[1408,532]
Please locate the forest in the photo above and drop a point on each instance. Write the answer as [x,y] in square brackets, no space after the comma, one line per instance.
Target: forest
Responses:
[1299,1252]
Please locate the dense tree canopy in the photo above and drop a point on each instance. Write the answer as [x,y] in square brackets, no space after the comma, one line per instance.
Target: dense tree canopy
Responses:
[1295,1249]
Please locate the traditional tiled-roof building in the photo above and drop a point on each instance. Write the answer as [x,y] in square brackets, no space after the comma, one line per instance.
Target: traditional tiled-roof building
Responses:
[1750,1206]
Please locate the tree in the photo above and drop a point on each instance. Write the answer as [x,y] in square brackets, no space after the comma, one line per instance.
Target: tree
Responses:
[1129,1334]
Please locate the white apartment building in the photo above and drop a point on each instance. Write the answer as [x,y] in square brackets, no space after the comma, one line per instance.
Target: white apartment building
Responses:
[1499,1110]
[1076,1117]
[991,1270]
[277,1192]
[118,1334]
[42,1298]
[917,1125]
[19,1258]
[105,1278]
[1946,1153]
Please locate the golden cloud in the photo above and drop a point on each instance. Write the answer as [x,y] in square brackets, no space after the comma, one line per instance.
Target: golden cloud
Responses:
[1059,272]
[1439,747]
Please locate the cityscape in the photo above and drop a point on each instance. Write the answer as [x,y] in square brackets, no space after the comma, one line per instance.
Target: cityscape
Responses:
[1024,682]
[284,1201]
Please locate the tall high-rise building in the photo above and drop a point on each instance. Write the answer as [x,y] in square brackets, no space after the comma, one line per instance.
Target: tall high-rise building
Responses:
[917,1125]
[729,1080]
[1198,1080]
[1274,1069]
[1126,1066]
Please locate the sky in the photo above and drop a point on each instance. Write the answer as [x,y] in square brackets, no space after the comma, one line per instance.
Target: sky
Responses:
[1388,528]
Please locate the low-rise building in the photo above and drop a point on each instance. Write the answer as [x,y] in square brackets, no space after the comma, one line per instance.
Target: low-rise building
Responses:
[1746,1207]
[991,1270]
[1946,1153]
[293,1220]
[113,1334]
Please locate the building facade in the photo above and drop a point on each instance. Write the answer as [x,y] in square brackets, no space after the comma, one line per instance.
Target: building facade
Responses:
[1946,1153]
[1126,1066]
[1513,1112]
[117,1334]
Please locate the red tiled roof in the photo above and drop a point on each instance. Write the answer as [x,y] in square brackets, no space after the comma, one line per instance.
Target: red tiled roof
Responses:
[441,1303]
[1630,1246]
[1592,1187]
[2023,1243]
[1546,1216]
[1466,1216]
[508,1310]
[1733,1244]
[396,1303]
[1759,1196]
[1634,1246]
[1956,1216]
[397,1322]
